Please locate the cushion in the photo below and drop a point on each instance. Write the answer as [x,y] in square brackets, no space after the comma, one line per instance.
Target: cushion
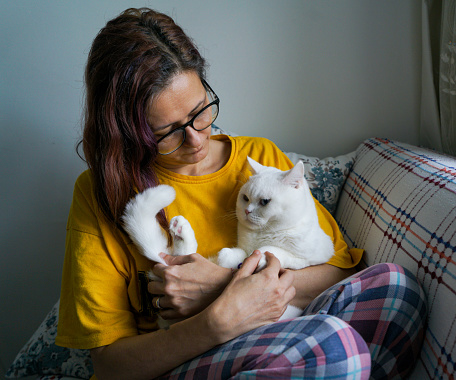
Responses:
[40,356]
[399,204]
[325,176]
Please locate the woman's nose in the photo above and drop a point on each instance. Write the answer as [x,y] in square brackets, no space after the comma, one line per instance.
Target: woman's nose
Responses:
[193,137]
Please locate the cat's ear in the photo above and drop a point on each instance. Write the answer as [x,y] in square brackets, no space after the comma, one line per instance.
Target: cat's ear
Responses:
[295,176]
[255,167]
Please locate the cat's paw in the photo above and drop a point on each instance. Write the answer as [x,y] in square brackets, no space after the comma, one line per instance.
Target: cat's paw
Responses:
[180,229]
[223,258]
[230,257]
[183,236]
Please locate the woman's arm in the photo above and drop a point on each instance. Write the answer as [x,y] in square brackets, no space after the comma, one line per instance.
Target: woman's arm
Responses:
[248,301]
[192,282]
[311,281]
[149,355]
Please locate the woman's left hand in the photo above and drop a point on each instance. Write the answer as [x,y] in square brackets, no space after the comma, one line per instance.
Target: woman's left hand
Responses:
[190,284]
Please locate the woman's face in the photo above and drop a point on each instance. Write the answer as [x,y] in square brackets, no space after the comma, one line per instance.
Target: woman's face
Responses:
[172,108]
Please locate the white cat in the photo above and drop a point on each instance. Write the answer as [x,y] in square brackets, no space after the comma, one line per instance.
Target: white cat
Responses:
[275,212]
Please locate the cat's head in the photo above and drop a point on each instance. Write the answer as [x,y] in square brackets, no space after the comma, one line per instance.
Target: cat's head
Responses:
[272,198]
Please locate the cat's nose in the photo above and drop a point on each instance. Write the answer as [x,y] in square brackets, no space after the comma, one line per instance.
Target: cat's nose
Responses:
[247,212]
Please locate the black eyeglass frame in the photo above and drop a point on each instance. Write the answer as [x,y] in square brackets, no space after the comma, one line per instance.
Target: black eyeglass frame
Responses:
[190,123]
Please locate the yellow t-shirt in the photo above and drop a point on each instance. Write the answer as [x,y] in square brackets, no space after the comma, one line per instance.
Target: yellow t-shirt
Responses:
[104,288]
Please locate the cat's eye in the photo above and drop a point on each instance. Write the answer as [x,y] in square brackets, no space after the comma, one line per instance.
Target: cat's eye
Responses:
[246,198]
[264,202]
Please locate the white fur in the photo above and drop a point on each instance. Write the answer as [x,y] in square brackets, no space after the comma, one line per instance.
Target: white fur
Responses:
[287,225]
[140,222]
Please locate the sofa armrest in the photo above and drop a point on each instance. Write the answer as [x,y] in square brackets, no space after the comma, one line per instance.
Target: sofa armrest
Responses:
[399,204]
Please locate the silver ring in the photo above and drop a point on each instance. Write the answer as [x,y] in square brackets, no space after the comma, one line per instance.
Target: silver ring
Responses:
[156,303]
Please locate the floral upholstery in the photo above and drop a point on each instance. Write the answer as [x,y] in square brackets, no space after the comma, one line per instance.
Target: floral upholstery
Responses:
[40,355]
[326,176]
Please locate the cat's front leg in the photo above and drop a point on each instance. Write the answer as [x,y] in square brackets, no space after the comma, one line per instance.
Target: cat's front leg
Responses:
[287,259]
[277,252]
[231,257]
[184,241]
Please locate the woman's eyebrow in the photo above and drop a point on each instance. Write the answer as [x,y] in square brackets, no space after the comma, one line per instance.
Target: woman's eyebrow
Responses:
[157,129]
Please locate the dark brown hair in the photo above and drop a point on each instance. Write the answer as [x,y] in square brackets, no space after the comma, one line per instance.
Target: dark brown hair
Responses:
[132,59]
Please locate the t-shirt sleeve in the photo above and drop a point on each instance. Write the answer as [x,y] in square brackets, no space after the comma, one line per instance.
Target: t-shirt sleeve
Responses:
[94,307]
[343,256]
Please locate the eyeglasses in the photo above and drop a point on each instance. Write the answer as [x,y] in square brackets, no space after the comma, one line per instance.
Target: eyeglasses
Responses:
[173,140]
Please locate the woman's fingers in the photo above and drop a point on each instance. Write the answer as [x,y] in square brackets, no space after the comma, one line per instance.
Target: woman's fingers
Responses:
[159,269]
[249,265]
[189,283]
[175,260]
[177,296]
[291,290]
[286,276]
[273,262]
[155,287]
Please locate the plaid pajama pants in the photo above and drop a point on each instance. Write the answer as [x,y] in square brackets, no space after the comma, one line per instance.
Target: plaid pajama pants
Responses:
[368,325]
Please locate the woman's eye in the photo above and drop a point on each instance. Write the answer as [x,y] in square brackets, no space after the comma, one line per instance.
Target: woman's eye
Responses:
[246,198]
[203,116]
[164,132]
[264,202]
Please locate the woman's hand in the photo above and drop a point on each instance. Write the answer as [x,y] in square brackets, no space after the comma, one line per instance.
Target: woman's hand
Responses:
[251,299]
[190,284]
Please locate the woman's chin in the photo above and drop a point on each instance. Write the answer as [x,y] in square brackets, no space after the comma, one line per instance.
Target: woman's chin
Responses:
[197,155]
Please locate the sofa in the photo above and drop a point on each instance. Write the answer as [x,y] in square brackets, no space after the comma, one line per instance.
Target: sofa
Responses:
[396,201]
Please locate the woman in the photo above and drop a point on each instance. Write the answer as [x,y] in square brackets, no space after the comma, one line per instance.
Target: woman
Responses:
[148,117]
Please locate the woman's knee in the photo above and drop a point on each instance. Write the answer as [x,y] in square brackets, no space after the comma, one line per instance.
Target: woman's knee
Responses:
[397,302]
[315,346]
[397,284]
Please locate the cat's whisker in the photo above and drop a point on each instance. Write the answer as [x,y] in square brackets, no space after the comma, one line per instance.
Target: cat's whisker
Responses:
[242,178]
[229,216]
